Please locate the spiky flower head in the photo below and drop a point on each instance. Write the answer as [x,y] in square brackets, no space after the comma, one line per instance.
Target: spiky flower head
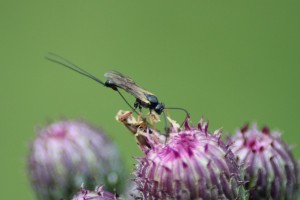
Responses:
[66,154]
[271,169]
[191,164]
[97,194]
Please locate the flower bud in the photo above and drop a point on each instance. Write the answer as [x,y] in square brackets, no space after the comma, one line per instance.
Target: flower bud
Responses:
[68,153]
[97,194]
[271,169]
[190,164]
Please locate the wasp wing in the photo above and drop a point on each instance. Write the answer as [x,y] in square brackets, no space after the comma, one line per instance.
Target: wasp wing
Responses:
[127,84]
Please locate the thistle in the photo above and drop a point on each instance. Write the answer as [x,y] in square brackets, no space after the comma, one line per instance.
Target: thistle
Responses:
[190,164]
[271,169]
[68,153]
[97,194]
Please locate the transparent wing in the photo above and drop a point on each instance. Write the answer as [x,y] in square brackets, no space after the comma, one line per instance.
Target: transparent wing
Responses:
[127,84]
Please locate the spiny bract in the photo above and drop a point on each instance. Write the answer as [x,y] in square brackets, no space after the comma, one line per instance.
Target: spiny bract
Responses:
[66,154]
[191,164]
[271,171]
[97,194]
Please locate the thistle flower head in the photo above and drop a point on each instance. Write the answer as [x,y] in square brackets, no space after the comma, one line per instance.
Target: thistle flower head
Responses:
[97,194]
[68,153]
[191,164]
[270,166]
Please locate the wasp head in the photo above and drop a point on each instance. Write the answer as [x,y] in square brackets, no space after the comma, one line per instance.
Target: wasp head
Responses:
[159,108]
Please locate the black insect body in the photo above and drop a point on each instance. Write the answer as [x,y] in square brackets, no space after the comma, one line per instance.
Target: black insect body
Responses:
[144,98]
[115,80]
[158,107]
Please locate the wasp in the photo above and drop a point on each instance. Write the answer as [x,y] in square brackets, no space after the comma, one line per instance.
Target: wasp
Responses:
[116,80]
[143,97]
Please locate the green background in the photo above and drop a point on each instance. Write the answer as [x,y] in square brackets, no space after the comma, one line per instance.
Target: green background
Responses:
[233,62]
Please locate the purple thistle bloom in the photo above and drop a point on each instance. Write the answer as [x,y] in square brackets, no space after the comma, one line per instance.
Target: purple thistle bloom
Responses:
[270,167]
[97,194]
[68,153]
[191,164]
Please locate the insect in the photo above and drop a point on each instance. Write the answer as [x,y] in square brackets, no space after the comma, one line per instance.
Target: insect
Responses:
[116,80]
[144,98]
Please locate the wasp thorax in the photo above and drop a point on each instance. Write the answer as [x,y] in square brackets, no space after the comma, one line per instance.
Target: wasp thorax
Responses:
[152,99]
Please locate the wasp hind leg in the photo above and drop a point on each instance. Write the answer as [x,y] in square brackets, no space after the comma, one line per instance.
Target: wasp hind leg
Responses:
[137,105]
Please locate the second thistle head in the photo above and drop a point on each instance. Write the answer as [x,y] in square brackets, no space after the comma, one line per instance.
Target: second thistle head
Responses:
[68,153]
[271,170]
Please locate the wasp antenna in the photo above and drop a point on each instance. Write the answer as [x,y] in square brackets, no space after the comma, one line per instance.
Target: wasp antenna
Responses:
[173,108]
[187,113]
[68,64]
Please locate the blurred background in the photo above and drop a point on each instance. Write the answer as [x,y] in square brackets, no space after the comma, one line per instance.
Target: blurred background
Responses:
[233,62]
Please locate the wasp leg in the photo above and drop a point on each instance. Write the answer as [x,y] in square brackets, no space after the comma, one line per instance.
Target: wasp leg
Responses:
[133,110]
[137,104]
[152,120]
[140,117]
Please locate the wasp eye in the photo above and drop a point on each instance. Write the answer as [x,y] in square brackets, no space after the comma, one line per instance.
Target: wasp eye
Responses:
[159,108]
